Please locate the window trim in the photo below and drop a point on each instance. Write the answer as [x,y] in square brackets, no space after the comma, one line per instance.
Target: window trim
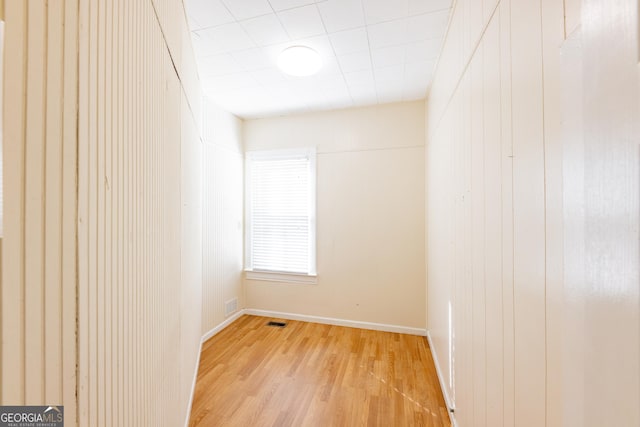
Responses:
[271,275]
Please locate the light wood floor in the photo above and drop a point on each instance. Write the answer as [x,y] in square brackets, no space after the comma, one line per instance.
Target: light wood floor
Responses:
[307,374]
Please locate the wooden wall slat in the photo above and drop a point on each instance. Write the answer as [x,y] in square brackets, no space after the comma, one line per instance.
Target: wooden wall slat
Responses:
[14,88]
[53,205]
[34,203]
[70,212]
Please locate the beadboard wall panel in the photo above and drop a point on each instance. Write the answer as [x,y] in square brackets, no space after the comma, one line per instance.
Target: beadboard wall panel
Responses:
[139,230]
[488,306]
[223,201]
[532,213]
[38,262]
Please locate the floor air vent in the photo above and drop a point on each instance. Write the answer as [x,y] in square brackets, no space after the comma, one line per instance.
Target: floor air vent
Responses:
[277,324]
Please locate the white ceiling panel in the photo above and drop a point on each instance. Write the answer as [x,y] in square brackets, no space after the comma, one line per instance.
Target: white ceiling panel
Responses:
[279,5]
[265,30]
[413,70]
[350,41]
[253,59]
[268,76]
[302,22]
[358,78]
[207,13]
[225,38]
[330,69]
[365,99]
[333,83]
[363,91]
[373,51]
[390,76]
[339,15]
[217,65]
[423,50]
[377,11]
[388,33]
[387,56]
[417,7]
[233,81]
[355,62]
[245,9]
[427,26]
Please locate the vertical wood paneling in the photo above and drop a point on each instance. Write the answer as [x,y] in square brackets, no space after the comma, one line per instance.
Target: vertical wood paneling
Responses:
[493,223]
[499,358]
[559,218]
[14,122]
[34,203]
[571,16]
[528,213]
[222,201]
[53,205]
[140,184]
[478,248]
[14,88]
[552,37]
[610,292]
[39,256]
[506,161]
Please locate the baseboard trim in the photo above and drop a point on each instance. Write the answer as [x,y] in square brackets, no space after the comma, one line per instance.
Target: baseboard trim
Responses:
[193,386]
[338,322]
[229,320]
[447,399]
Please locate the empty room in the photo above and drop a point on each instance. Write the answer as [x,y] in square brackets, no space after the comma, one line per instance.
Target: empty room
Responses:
[320,213]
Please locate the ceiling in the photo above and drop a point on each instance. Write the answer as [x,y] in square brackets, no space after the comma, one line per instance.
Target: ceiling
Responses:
[373,52]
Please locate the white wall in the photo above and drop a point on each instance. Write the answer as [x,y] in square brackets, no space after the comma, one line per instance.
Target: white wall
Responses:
[601,352]
[370,214]
[38,264]
[517,204]
[139,214]
[223,201]
[102,259]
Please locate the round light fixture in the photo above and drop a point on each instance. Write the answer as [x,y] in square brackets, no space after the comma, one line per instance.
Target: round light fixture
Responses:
[299,61]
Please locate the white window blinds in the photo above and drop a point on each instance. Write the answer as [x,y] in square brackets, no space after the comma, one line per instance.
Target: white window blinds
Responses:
[281,211]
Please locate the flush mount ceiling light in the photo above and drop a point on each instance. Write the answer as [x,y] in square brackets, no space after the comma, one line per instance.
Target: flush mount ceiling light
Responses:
[299,61]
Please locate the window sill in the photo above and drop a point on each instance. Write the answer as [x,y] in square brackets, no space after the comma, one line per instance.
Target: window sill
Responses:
[279,276]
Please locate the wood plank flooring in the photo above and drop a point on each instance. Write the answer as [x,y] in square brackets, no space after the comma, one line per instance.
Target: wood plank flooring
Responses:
[309,374]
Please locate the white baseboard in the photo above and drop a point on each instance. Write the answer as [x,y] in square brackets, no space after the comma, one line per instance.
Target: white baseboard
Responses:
[193,386]
[445,393]
[229,320]
[338,322]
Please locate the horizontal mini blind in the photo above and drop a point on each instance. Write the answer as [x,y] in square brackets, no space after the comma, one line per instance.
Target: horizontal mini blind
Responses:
[281,211]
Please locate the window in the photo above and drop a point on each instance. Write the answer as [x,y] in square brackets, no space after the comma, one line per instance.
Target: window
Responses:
[280,215]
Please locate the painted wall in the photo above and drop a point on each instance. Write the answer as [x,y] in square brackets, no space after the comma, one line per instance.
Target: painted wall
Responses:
[601,113]
[38,264]
[532,229]
[102,256]
[140,214]
[222,228]
[370,214]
